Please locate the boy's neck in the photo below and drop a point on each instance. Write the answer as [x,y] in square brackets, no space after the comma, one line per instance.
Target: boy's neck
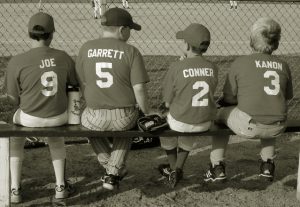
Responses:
[113,35]
[191,54]
[36,44]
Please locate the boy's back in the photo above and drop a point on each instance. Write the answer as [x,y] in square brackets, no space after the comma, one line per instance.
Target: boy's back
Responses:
[189,87]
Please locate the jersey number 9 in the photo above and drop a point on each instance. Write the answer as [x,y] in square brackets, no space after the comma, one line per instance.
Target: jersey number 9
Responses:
[49,81]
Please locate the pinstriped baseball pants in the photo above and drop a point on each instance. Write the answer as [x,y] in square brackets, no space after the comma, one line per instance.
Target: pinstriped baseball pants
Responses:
[112,158]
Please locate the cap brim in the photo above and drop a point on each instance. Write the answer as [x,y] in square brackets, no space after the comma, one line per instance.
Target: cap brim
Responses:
[136,26]
[179,35]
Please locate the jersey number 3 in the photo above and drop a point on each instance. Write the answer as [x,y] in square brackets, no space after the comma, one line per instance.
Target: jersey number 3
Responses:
[196,98]
[106,79]
[274,82]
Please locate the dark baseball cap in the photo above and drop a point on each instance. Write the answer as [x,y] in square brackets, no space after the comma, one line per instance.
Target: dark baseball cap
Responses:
[194,34]
[43,20]
[119,17]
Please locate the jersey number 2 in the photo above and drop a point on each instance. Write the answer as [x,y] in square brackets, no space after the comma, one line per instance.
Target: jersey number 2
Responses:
[196,98]
[106,79]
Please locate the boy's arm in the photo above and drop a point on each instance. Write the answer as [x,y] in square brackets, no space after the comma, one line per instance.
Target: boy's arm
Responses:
[79,72]
[11,85]
[141,96]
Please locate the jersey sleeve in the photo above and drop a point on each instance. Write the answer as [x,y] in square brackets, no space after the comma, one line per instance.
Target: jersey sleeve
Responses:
[11,79]
[216,80]
[79,70]
[72,79]
[168,86]
[289,88]
[138,72]
[230,88]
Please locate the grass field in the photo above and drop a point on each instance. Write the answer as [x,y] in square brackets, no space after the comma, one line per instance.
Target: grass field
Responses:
[143,187]
[156,41]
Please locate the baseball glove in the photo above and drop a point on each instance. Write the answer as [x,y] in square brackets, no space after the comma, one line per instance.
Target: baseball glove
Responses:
[152,123]
[144,142]
[34,142]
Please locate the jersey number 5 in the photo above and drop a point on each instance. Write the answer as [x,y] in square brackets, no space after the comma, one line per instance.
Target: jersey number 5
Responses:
[196,102]
[49,81]
[274,82]
[106,79]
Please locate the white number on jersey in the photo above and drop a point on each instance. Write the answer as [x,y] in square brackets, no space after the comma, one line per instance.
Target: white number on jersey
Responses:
[196,98]
[106,78]
[274,82]
[49,80]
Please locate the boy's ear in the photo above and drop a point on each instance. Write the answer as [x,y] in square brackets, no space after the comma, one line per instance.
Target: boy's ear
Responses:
[188,47]
[121,29]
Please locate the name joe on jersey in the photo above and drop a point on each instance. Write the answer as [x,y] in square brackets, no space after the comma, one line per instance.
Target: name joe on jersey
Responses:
[47,63]
[109,53]
[268,64]
[195,72]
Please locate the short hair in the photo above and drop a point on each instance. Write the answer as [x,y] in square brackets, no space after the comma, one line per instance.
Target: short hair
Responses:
[265,35]
[201,49]
[38,37]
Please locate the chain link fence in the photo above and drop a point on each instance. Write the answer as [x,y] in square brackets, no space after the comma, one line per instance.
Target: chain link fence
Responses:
[160,20]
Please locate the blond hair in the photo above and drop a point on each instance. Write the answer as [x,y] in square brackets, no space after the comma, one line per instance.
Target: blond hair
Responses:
[265,35]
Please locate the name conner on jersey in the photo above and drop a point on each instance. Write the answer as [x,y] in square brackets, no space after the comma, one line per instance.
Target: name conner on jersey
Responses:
[109,53]
[195,72]
[268,64]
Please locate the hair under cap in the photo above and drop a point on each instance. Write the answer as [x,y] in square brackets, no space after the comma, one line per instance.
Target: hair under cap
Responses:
[195,34]
[43,20]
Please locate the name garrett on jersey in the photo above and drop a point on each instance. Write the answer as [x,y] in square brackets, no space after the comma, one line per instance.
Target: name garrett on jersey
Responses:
[109,53]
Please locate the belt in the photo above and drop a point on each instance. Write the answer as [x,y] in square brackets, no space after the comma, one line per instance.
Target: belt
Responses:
[274,123]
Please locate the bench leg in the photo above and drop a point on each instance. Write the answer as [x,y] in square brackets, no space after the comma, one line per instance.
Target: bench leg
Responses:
[298,179]
[4,172]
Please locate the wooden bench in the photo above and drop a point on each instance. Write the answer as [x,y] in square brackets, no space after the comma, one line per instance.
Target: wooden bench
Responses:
[8,130]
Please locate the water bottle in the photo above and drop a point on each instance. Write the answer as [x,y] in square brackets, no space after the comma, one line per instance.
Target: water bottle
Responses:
[73,105]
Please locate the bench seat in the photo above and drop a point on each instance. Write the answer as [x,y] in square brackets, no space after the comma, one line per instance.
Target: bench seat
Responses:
[10,130]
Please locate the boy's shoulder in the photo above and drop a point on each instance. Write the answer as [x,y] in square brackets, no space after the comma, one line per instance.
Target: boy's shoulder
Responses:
[194,61]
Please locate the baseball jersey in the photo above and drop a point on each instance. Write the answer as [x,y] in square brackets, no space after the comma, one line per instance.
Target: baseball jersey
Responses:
[108,69]
[189,88]
[38,79]
[261,84]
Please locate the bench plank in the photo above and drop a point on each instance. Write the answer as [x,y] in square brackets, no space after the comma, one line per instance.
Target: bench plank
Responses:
[4,172]
[10,130]
[298,180]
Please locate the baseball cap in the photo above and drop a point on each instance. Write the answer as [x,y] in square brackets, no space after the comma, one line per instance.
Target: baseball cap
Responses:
[119,17]
[194,34]
[41,19]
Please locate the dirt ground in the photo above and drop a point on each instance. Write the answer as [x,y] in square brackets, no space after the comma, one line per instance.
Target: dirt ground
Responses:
[143,186]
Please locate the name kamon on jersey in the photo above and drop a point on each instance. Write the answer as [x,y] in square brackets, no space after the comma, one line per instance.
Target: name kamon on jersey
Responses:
[268,64]
[109,53]
[195,72]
